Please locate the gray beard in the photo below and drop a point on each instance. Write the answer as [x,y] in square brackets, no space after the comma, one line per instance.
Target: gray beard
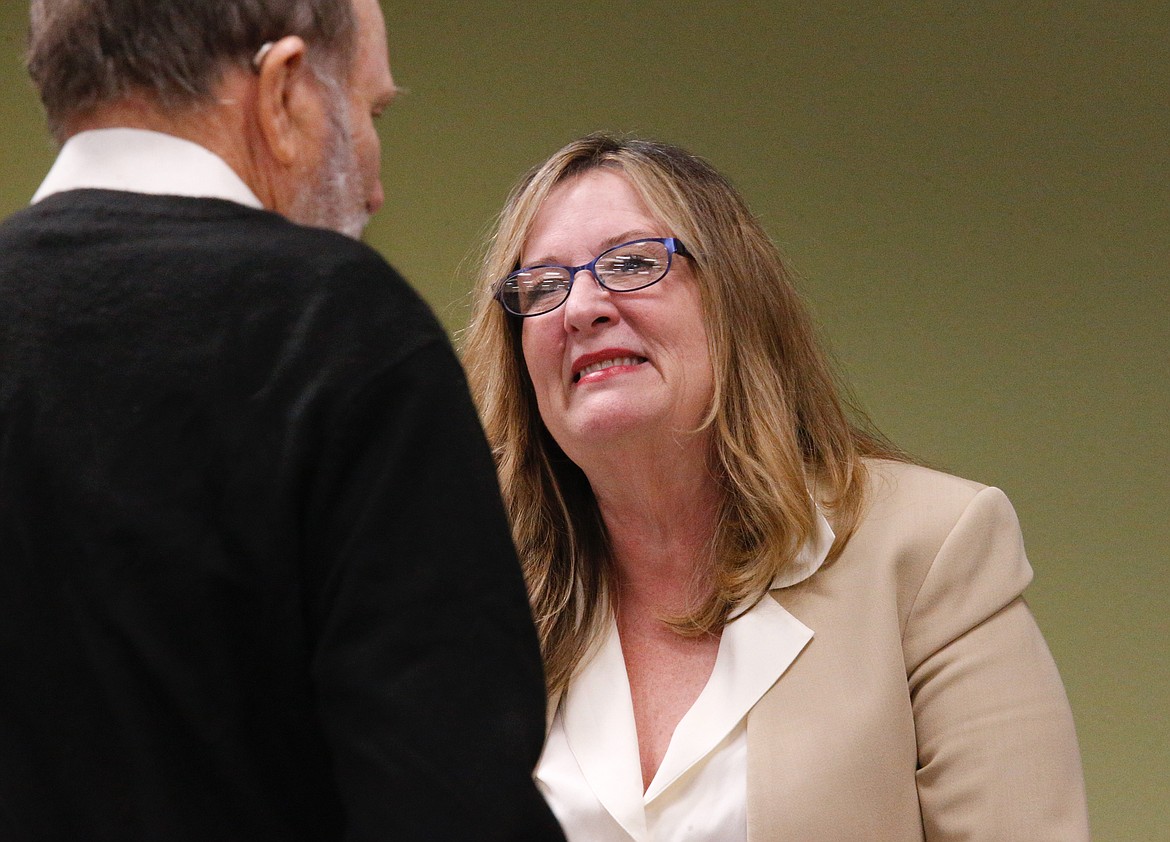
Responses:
[333,198]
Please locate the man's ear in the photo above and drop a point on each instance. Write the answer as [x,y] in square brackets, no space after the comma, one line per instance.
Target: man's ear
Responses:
[288,102]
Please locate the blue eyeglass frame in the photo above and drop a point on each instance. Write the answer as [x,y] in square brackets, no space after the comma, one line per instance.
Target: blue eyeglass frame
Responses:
[673,246]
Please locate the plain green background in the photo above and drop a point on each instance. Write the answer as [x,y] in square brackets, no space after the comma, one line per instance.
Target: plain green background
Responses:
[976,198]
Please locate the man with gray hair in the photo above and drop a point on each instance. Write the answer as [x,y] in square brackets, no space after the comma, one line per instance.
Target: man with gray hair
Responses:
[256,582]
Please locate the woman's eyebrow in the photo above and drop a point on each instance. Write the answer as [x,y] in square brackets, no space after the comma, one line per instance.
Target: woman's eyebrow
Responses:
[609,242]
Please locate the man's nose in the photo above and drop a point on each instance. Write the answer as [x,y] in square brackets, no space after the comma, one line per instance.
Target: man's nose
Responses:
[376,198]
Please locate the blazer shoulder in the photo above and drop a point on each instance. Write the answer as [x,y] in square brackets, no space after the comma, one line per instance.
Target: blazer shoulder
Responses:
[916,516]
[902,484]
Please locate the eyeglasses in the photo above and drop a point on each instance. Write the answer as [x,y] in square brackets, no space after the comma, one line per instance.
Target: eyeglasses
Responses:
[535,290]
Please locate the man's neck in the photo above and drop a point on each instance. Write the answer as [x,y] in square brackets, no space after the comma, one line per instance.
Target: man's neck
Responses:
[222,125]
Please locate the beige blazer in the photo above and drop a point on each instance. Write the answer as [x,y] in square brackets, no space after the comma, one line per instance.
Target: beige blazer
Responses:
[927,705]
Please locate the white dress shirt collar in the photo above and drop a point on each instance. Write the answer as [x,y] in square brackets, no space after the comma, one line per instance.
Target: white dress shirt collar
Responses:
[811,556]
[141,161]
[591,773]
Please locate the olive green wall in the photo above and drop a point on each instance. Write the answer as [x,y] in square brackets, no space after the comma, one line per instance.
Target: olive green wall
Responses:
[977,197]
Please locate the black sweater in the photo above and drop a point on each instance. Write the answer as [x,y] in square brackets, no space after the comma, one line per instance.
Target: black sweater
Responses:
[255,578]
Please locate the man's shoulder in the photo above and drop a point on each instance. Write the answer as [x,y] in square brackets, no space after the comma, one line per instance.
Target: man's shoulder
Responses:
[334,273]
[318,253]
[224,260]
[218,244]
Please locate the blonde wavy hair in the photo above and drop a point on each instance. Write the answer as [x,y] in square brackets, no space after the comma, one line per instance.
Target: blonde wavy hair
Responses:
[777,420]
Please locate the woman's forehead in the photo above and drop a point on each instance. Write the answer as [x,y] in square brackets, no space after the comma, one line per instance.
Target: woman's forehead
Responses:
[598,207]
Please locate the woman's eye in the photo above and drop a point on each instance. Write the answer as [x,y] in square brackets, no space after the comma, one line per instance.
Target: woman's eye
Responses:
[626,264]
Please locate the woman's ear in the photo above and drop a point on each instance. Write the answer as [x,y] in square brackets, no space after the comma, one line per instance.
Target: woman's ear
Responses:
[289,106]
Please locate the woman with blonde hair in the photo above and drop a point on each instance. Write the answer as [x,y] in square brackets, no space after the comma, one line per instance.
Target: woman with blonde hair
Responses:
[759,620]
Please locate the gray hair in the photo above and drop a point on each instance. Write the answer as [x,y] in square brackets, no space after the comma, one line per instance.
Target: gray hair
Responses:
[86,53]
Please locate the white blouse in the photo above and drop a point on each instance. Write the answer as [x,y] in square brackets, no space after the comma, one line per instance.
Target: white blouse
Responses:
[590,771]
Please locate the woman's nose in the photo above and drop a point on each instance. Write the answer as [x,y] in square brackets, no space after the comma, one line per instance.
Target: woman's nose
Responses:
[589,303]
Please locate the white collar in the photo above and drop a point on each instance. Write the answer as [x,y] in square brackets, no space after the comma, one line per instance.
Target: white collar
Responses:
[141,161]
[807,562]
[811,556]
[597,715]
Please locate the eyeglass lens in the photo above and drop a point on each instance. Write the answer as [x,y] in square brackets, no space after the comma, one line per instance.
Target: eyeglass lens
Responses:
[630,266]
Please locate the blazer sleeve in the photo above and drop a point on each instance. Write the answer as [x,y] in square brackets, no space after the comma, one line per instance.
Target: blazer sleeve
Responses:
[997,750]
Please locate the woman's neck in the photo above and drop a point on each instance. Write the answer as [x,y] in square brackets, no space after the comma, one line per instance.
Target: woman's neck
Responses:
[661,519]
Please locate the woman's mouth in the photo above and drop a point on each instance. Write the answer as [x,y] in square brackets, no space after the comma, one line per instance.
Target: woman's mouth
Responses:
[601,365]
